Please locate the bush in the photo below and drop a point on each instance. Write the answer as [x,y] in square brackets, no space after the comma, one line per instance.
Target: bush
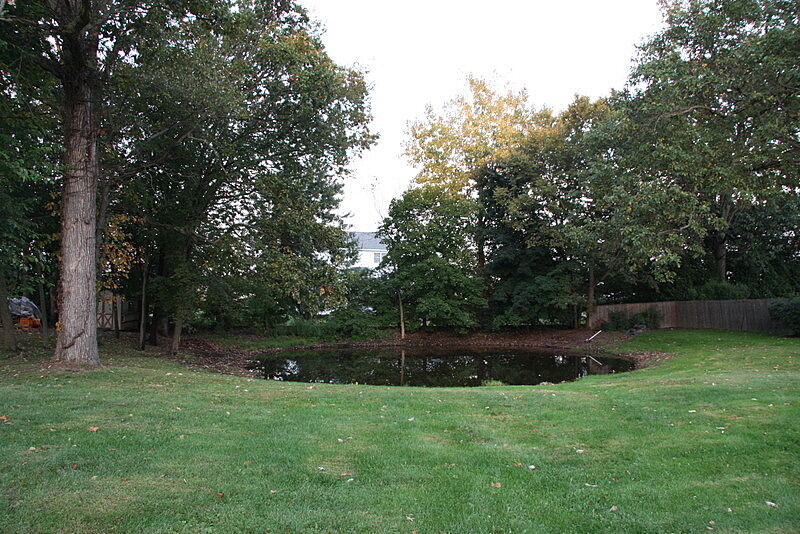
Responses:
[349,323]
[719,291]
[788,313]
[620,320]
[617,321]
[298,327]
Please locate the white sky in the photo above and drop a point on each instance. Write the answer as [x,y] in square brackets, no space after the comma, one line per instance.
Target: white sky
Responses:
[419,52]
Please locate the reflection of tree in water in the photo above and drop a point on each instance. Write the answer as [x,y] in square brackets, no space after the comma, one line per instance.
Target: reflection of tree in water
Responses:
[414,367]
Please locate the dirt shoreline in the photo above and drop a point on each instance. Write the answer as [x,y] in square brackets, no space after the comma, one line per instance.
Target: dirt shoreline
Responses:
[212,357]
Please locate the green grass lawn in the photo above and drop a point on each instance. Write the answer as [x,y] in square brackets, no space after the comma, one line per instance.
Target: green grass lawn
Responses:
[699,442]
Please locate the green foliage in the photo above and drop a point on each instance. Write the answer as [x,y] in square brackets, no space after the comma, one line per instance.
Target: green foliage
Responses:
[713,107]
[429,262]
[529,284]
[300,327]
[353,324]
[620,320]
[29,162]
[471,131]
[788,313]
[225,129]
[239,141]
[719,291]
[569,192]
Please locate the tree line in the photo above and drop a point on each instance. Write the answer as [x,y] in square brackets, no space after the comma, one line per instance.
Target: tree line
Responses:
[184,154]
[187,155]
[681,185]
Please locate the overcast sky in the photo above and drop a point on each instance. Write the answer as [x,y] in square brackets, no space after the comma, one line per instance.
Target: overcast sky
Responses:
[419,52]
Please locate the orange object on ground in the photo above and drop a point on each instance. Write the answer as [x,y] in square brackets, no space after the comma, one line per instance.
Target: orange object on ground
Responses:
[29,323]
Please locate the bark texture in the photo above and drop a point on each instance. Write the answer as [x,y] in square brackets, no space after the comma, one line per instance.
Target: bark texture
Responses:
[77,298]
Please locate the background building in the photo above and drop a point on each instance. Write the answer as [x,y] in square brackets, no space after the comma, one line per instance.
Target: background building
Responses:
[370,250]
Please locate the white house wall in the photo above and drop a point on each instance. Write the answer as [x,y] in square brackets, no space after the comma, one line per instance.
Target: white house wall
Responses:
[366,258]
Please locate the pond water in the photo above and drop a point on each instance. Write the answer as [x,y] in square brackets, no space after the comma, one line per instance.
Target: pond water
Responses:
[438,367]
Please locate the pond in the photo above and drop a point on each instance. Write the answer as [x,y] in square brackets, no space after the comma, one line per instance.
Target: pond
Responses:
[440,367]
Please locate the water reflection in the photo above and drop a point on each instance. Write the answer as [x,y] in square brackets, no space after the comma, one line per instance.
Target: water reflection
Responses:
[432,367]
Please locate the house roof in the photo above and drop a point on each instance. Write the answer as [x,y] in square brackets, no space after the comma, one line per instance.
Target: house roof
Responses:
[367,241]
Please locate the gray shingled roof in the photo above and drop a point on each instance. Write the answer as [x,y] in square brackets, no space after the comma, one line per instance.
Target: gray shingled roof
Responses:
[368,240]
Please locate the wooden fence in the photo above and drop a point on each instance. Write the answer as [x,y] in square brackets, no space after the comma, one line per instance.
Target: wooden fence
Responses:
[744,315]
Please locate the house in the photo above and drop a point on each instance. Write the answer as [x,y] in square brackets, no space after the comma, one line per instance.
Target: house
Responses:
[370,250]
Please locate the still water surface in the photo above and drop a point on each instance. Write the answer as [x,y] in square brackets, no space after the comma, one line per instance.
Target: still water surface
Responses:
[440,367]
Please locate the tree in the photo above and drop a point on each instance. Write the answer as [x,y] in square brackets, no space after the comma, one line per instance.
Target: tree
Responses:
[428,237]
[763,257]
[79,43]
[713,104]
[530,284]
[574,191]
[28,152]
[202,122]
[450,147]
[242,205]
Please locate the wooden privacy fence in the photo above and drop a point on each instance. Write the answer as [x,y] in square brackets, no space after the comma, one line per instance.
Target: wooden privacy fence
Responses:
[746,315]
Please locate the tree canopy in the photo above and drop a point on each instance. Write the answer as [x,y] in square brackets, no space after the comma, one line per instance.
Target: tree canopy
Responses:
[204,146]
[688,172]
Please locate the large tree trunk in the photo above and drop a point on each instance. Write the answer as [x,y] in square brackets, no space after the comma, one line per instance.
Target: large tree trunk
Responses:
[76,341]
[9,337]
[77,325]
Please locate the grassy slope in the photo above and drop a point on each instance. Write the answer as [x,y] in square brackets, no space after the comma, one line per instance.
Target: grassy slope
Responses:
[179,451]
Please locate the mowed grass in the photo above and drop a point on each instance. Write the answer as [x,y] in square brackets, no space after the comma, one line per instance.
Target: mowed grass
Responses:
[702,441]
